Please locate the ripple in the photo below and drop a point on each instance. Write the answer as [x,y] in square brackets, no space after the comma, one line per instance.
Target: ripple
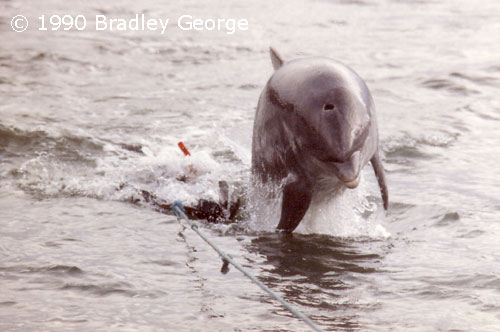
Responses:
[164,262]
[320,255]
[466,281]
[354,2]
[65,269]
[58,60]
[119,288]
[448,219]
[51,269]
[483,80]
[68,321]
[448,85]
[486,113]
[248,87]
[18,142]
[405,149]
[4,80]
[8,304]
[472,234]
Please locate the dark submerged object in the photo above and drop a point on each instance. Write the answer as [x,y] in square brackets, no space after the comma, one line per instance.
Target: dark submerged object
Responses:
[315,122]
[223,211]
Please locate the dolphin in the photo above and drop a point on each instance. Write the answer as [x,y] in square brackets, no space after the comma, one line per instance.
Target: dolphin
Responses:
[315,122]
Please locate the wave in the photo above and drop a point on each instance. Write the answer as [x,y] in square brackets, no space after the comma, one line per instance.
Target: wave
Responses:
[461,83]
[347,213]
[63,164]
[406,149]
[47,164]
[449,85]
[62,270]
[15,142]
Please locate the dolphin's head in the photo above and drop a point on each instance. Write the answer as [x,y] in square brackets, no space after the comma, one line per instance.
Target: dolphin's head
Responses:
[338,127]
[334,114]
[342,125]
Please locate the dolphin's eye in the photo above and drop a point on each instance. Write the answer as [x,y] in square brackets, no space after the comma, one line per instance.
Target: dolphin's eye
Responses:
[328,107]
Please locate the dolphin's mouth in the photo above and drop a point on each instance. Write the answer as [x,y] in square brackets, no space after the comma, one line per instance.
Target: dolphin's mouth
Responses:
[351,184]
[348,171]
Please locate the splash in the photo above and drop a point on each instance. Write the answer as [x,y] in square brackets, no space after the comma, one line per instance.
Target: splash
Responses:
[346,213]
[116,171]
[95,168]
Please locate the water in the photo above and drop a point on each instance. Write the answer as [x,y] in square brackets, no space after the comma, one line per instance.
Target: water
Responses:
[87,118]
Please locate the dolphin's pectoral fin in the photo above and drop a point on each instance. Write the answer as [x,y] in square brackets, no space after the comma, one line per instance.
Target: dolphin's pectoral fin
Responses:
[296,199]
[275,58]
[379,173]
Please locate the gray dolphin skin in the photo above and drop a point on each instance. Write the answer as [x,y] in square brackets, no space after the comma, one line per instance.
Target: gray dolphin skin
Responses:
[314,125]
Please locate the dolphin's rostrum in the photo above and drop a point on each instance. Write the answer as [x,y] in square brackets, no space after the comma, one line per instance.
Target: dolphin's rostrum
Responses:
[315,120]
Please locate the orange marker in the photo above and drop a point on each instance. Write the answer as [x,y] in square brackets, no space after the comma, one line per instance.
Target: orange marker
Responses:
[184,149]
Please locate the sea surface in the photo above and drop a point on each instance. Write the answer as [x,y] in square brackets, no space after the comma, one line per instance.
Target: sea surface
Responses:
[90,119]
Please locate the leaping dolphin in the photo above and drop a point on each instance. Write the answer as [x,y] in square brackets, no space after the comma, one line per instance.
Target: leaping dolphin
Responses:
[315,120]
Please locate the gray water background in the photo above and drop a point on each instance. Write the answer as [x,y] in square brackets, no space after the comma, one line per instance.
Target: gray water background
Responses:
[87,117]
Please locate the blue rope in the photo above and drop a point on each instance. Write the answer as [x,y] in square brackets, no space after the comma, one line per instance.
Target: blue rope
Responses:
[178,208]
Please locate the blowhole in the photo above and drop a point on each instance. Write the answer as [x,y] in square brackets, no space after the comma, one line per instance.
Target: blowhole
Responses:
[328,107]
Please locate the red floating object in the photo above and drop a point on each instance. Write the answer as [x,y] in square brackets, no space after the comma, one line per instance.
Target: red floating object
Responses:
[184,149]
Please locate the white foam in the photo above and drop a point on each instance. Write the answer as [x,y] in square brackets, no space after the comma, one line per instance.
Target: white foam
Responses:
[346,213]
[120,174]
[160,173]
[264,207]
